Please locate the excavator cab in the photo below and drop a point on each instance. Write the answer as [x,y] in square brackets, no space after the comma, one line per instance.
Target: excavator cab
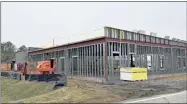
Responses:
[47,67]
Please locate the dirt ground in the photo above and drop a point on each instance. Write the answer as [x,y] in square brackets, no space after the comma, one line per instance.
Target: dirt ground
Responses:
[162,85]
[82,91]
[130,90]
[177,77]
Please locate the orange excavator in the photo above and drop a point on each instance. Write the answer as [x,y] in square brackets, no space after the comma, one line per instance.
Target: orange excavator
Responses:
[44,71]
[46,67]
[42,67]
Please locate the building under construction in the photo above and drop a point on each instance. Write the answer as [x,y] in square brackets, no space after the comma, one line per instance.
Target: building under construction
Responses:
[101,57]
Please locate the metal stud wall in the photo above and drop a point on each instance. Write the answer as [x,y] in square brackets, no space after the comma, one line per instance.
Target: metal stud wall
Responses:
[85,61]
[118,48]
[165,56]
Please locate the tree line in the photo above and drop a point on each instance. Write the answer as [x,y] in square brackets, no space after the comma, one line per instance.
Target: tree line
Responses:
[8,50]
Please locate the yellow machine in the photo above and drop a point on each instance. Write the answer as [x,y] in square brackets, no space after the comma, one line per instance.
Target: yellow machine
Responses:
[133,74]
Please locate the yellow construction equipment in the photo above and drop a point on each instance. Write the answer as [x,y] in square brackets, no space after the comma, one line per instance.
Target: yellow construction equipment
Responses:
[133,74]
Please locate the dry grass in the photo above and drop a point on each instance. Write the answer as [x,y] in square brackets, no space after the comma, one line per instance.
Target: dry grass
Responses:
[76,91]
[82,91]
[12,89]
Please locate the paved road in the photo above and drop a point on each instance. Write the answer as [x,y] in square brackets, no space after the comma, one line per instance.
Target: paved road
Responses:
[179,97]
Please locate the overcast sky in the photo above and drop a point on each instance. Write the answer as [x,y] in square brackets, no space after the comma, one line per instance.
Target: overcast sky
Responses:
[36,24]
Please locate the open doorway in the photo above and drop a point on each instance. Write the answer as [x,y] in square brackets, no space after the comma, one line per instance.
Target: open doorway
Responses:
[116,64]
[116,59]
[62,64]
[75,65]
[12,65]
[162,62]
[149,62]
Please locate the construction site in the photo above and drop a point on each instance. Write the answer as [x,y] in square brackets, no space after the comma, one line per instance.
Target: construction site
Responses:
[101,58]
[118,65]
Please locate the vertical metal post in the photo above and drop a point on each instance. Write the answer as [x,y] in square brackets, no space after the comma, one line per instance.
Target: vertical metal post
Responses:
[43,57]
[78,51]
[95,59]
[145,56]
[57,56]
[71,53]
[105,54]
[109,57]
[122,54]
[152,63]
[157,59]
[54,54]
[185,60]
[125,53]
[112,62]
[169,60]
[69,62]
[84,71]
[66,61]
[87,60]
[121,35]
[82,62]
[172,63]
[92,47]
[98,60]
[101,65]
[135,49]
[90,61]
[141,61]
[164,59]
[182,55]
[71,58]
[137,55]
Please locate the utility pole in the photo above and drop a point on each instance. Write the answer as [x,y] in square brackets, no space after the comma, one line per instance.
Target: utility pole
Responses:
[53,42]
[121,33]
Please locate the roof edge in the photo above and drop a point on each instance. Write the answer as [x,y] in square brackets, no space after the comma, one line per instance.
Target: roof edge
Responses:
[69,44]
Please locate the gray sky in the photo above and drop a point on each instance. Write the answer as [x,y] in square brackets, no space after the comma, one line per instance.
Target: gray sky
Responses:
[35,24]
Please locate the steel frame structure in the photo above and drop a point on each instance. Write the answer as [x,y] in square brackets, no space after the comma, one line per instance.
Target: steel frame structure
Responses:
[100,57]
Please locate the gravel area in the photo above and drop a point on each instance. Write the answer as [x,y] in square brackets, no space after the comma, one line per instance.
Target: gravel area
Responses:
[129,90]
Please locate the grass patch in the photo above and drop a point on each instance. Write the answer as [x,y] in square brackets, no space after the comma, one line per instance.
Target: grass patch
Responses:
[83,91]
[12,89]
[77,91]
